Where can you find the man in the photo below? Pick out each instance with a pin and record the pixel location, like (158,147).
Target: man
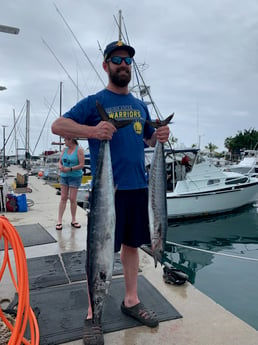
(186,162)
(127,154)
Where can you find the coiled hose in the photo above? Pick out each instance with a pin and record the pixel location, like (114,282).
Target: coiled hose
(25,314)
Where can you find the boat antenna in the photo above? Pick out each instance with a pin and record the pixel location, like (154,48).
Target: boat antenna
(85,54)
(120,26)
(136,68)
(121,36)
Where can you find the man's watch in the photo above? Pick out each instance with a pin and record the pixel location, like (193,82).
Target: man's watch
(71,169)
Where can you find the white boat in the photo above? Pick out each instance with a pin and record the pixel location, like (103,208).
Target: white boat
(207,190)
(203,191)
(248,165)
(83,194)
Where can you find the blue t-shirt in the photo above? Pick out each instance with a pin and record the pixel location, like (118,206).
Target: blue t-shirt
(127,145)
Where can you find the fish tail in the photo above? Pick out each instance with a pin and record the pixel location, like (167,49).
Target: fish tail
(104,117)
(155,261)
(160,123)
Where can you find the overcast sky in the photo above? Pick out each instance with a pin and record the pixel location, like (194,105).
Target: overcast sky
(199,57)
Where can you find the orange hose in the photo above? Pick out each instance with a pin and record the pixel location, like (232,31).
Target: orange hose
(25,313)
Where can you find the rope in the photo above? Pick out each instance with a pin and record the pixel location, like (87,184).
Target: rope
(25,313)
(212,252)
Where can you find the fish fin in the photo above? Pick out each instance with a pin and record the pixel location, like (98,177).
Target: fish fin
(104,117)
(122,123)
(159,123)
(102,112)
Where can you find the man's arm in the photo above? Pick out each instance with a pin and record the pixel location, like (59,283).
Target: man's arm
(69,128)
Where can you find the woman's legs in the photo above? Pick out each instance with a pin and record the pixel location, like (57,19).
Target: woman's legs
(62,204)
(73,202)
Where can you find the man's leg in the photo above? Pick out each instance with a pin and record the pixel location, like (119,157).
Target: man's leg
(131,304)
(130,261)
(89,314)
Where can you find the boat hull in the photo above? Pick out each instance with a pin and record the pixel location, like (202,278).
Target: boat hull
(211,202)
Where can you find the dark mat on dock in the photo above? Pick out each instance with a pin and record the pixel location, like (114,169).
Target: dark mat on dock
(46,271)
(32,235)
(62,309)
(74,263)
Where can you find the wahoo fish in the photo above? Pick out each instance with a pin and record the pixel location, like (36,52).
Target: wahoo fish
(157,203)
(101,226)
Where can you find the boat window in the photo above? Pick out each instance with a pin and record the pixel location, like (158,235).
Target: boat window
(234,180)
(213,181)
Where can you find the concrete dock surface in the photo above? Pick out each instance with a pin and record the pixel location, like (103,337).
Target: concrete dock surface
(204,322)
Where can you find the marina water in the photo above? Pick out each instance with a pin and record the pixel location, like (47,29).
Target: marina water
(220,256)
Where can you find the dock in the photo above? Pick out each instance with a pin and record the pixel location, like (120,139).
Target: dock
(203,322)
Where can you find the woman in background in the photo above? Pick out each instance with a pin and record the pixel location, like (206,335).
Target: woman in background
(70,164)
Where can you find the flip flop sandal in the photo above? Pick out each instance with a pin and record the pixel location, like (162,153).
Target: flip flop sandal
(140,313)
(76,225)
(59,227)
(92,333)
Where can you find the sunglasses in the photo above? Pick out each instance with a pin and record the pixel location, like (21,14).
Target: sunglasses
(117,60)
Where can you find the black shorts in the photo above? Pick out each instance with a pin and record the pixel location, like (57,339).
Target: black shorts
(132,220)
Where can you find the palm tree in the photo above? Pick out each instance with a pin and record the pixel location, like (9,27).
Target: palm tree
(211,147)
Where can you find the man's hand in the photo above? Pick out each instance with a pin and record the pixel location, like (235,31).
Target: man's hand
(162,134)
(104,130)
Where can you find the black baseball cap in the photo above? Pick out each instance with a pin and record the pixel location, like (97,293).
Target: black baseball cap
(118,45)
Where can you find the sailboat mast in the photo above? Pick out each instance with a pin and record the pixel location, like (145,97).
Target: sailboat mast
(60,114)
(27,140)
(15,137)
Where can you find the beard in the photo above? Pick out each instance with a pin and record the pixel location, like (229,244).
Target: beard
(120,79)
